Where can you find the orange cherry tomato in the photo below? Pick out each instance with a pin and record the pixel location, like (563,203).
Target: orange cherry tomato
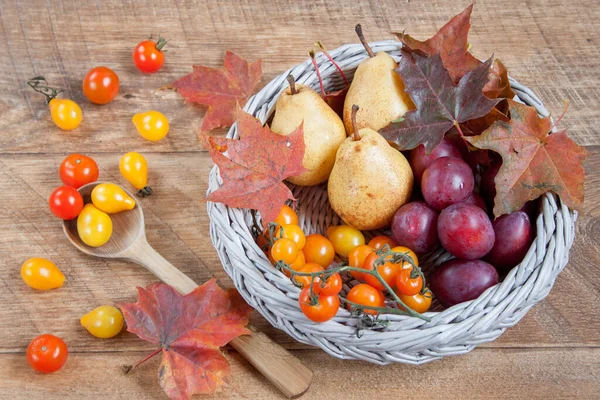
(294,233)
(318,249)
(100,85)
(332,285)
(77,170)
(284,250)
(388,271)
(296,265)
(287,216)
(379,241)
(323,310)
(419,302)
(305,281)
(356,259)
(366,295)
(407,283)
(408,252)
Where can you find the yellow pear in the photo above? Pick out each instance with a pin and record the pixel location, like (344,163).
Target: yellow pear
(369,181)
(378,90)
(323,130)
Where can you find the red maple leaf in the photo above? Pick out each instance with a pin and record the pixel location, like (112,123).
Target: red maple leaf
(498,85)
(533,160)
(190,330)
(220,89)
(255,166)
(336,100)
(441,104)
(451,43)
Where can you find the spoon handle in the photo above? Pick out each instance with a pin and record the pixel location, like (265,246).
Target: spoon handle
(279,366)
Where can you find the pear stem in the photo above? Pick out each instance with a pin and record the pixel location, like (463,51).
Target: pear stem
(362,39)
(356,135)
(292,82)
(311,53)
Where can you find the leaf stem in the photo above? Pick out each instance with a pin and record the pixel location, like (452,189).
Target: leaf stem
(322,48)
(460,132)
(128,368)
(561,116)
(362,39)
(292,82)
(311,53)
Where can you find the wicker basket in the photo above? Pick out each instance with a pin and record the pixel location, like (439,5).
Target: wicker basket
(456,330)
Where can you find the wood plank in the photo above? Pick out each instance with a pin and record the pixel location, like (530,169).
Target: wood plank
(551,46)
(482,374)
(178,228)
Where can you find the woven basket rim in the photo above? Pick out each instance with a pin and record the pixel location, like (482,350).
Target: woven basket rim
(265,291)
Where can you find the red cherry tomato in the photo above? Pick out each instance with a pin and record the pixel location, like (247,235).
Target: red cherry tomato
(331,287)
(65,202)
(47,353)
(100,85)
(323,310)
(77,170)
(148,56)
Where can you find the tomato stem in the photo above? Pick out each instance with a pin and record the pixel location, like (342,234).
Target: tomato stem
(40,85)
(322,48)
(144,192)
(311,53)
(128,368)
(356,135)
(160,43)
(362,39)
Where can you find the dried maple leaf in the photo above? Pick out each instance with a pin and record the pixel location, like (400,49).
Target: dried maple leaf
(533,161)
(440,103)
(498,84)
(255,166)
(336,100)
(451,43)
(189,329)
(220,89)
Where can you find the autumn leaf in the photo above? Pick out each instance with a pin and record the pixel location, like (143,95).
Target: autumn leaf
(440,103)
(189,329)
(498,84)
(255,166)
(451,43)
(476,126)
(220,89)
(533,161)
(336,100)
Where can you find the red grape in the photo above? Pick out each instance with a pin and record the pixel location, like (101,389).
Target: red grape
(458,280)
(419,160)
(476,200)
(514,235)
(466,231)
(415,226)
(447,181)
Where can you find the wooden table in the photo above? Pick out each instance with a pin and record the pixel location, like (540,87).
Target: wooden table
(549,45)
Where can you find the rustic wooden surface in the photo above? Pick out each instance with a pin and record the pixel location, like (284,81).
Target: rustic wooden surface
(551,46)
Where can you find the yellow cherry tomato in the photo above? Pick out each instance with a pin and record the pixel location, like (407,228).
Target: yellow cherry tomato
(344,238)
(103,322)
(111,199)
(151,125)
(134,168)
(94,226)
(42,274)
(65,113)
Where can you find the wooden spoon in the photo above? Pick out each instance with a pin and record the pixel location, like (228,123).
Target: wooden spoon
(128,242)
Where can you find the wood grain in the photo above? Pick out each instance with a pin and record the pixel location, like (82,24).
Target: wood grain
(549,45)
(483,374)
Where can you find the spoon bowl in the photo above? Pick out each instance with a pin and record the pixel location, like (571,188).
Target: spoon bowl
(128,228)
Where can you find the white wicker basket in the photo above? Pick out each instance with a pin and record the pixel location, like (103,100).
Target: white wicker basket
(456,330)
